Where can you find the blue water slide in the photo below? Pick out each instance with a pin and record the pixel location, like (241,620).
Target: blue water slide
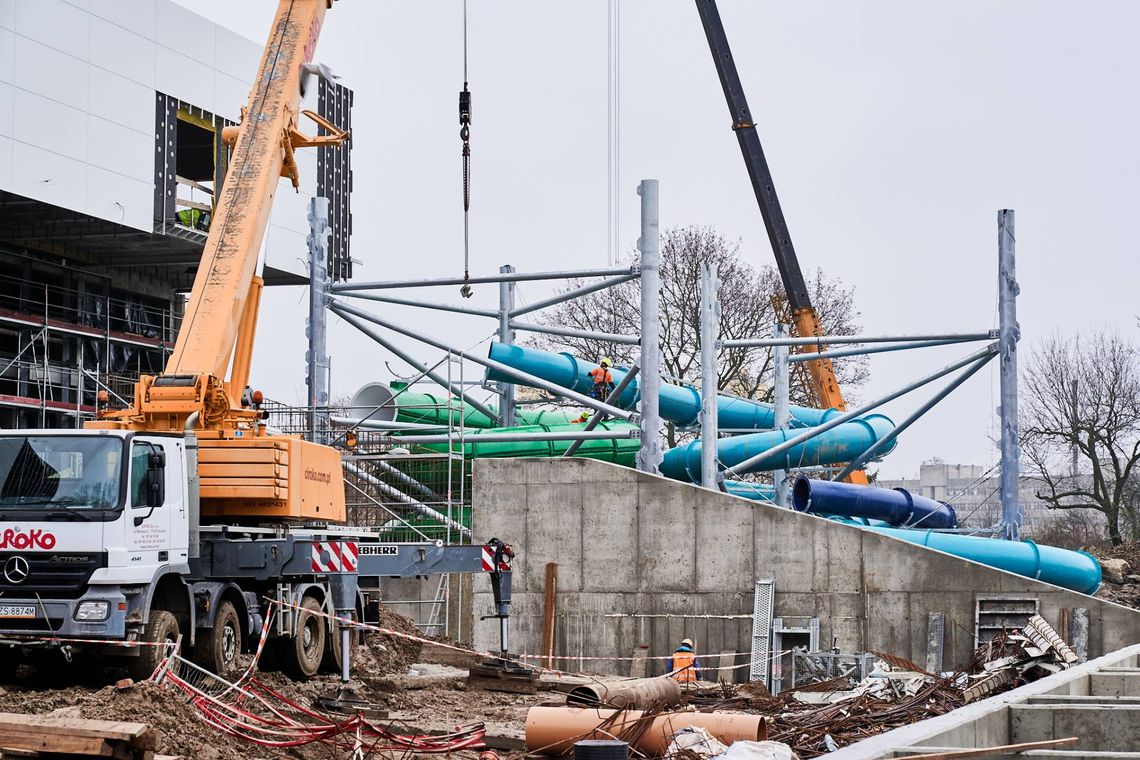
(840,444)
(895,506)
(679,404)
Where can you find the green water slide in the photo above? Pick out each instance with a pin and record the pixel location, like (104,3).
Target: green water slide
(395,404)
(621,451)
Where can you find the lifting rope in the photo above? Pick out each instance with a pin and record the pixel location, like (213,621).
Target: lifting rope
(465,135)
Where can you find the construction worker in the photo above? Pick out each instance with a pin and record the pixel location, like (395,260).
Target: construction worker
(603,379)
(684,664)
(583,417)
(194,219)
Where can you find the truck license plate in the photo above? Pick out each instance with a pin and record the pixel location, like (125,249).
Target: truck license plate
(14,611)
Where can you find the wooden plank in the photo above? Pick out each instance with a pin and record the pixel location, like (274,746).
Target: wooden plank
(61,744)
(1004,749)
(549,603)
(103,729)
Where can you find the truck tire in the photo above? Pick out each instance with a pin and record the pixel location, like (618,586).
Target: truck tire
(161,628)
(218,649)
(301,655)
(331,661)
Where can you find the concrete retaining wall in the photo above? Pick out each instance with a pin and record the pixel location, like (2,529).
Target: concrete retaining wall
(646,560)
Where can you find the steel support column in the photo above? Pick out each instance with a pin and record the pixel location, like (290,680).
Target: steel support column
(1008,335)
(649,245)
(710,327)
(316,358)
(782,399)
(506,337)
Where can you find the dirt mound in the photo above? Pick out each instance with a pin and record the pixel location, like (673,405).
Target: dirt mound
(382,653)
(183,732)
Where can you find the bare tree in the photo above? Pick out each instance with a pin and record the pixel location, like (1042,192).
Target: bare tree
(1080,426)
(751,302)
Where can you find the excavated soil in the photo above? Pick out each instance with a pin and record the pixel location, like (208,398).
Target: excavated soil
(426,697)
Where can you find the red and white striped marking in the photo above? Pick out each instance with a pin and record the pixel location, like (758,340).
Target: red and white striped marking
(335,556)
(489,561)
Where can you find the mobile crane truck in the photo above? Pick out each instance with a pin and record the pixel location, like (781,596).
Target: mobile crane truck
(182,516)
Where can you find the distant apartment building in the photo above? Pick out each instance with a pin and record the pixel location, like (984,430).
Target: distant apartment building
(973,492)
(110,155)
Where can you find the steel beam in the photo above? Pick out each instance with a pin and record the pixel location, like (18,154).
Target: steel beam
(345,311)
(1010,332)
(425,304)
(585,290)
(810,433)
(649,244)
(873,349)
(782,399)
(879,445)
(506,337)
(835,340)
(571,332)
(407,358)
(570,435)
(710,329)
(346,287)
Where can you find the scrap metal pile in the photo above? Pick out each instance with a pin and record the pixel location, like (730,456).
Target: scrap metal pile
(836,713)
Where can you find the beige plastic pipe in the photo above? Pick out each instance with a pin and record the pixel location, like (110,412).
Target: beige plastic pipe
(553,730)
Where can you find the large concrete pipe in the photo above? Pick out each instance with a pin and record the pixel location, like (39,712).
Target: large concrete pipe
(840,444)
(896,506)
(678,404)
(553,730)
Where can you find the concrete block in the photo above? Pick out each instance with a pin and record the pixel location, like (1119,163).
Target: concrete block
(609,537)
(552,471)
(843,560)
(1115,684)
(666,536)
(723,542)
(1103,728)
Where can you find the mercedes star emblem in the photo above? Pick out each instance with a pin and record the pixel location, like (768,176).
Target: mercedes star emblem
(16,570)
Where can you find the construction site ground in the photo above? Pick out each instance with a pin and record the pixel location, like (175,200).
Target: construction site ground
(422,688)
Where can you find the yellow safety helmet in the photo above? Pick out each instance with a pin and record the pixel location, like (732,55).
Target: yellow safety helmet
(606,362)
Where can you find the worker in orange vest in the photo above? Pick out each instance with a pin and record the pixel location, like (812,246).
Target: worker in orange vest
(603,379)
(684,664)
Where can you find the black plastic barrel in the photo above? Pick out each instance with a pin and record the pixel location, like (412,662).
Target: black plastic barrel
(601,749)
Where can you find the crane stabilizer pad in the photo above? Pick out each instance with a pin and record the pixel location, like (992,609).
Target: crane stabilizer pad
(346,701)
(503,675)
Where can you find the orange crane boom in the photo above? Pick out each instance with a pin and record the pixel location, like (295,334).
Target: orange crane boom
(244,471)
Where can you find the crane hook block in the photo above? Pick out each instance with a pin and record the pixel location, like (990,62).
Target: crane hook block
(465,106)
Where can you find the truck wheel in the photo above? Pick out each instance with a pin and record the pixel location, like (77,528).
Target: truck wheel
(331,661)
(301,655)
(217,649)
(161,628)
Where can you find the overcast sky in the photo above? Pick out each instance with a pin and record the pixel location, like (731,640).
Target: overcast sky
(894,130)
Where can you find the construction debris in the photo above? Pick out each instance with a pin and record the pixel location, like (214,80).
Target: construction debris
(898,692)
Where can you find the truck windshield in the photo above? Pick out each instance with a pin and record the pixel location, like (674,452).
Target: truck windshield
(59,470)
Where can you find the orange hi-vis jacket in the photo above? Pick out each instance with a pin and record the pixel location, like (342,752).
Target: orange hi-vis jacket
(684,669)
(601,376)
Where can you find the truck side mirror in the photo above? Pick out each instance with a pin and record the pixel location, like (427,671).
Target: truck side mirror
(156,481)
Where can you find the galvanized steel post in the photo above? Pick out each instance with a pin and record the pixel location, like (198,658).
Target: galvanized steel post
(1008,334)
(710,324)
(316,358)
(506,335)
(782,402)
(649,458)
